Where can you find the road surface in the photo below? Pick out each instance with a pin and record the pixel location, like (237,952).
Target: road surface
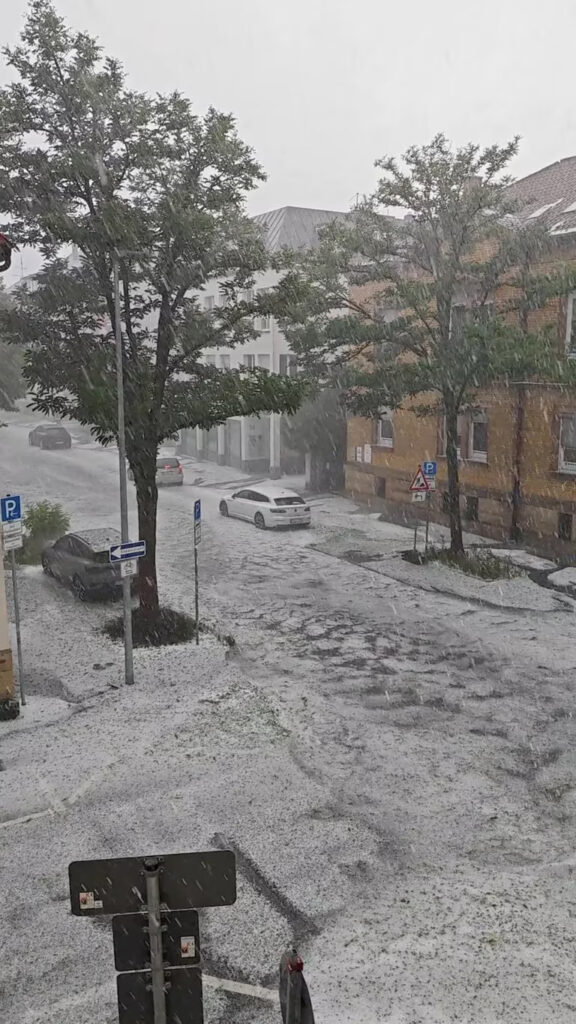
(393,767)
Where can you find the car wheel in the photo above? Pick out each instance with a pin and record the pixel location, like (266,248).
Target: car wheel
(46,568)
(30,441)
(259,521)
(79,589)
(223,508)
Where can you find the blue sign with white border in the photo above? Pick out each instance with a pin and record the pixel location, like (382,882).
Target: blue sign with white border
(429,468)
(11,508)
(131,549)
(197,511)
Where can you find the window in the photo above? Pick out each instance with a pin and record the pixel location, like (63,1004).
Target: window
(264,361)
(208,302)
(288,365)
(263,323)
(292,499)
(446,502)
(248,295)
(478,438)
(461,425)
(257,496)
(564,526)
(210,360)
(225,362)
(471,510)
(571,325)
(249,361)
(386,429)
(567,453)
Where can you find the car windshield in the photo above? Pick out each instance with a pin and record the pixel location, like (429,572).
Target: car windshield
(289,499)
(167,464)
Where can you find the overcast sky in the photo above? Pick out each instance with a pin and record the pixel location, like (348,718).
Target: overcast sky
(321,88)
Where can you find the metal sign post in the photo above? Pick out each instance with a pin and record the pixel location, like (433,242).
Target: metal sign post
(126,583)
(197,538)
(17,624)
(156,945)
(152,868)
(429,471)
(11,516)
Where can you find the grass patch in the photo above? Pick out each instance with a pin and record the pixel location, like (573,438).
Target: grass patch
(171,627)
(480,563)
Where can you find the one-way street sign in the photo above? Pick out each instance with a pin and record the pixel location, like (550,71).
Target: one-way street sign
(131,549)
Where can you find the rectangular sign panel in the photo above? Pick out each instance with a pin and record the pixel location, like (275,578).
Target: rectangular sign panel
(180,940)
(118,886)
(10,508)
(183,997)
(131,549)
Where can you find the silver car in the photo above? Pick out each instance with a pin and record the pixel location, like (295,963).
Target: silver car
(169,472)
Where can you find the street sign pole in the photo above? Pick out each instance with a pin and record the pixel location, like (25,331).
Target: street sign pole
(126,582)
(152,868)
(17,624)
(197,536)
(196,595)
(426,535)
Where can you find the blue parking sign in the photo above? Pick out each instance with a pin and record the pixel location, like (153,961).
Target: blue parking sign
(429,468)
(197,511)
(10,508)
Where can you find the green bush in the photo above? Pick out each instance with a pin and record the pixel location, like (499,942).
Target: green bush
(479,562)
(43,521)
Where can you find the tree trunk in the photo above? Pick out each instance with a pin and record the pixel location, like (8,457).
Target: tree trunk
(147,499)
(515,529)
(456,542)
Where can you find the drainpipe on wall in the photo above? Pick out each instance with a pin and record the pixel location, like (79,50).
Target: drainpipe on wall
(515,528)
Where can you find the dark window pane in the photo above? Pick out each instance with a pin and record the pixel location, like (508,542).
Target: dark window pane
(289,501)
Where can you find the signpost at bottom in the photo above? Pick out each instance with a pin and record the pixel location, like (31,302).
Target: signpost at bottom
(197,539)
(11,516)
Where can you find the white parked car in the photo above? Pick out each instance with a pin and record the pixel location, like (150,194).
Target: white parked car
(267,506)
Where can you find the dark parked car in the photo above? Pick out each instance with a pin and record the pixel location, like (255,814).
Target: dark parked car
(82,561)
(50,435)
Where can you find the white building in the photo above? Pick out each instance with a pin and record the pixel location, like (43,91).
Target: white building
(251,443)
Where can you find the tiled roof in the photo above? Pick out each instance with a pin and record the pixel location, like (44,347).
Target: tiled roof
(549,196)
(294,227)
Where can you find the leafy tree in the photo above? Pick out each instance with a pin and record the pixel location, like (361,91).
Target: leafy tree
(319,430)
(119,174)
(11,379)
(443,294)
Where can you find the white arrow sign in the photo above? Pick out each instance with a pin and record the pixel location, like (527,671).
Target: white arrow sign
(131,549)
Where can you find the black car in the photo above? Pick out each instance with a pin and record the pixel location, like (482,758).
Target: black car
(50,435)
(82,561)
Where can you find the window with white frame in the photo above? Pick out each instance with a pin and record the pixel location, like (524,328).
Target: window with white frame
(264,360)
(210,360)
(571,325)
(288,365)
(225,362)
(209,303)
(567,452)
(461,427)
(478,437)
(249,361)
(385,429)
(263,323)
(248,295)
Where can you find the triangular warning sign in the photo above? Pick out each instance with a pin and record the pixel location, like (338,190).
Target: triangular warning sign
(419,482)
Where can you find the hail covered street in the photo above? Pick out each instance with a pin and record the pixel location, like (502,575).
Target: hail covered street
(389,751)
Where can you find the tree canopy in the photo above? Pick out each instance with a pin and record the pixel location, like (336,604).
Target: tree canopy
(88,162)
(425,292)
